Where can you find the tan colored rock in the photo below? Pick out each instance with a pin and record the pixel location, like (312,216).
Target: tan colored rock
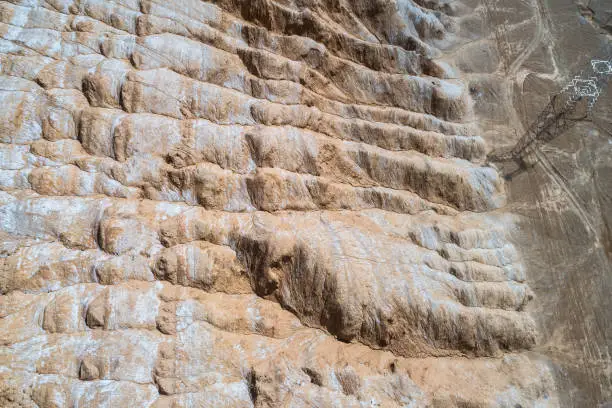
(255,204)
(203,265)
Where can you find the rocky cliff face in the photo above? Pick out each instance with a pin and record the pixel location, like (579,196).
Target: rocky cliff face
(253,203)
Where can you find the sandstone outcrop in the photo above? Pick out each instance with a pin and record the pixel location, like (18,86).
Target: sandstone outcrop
(252,203)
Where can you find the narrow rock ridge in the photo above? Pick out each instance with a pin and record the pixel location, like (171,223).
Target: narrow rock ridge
(250,204)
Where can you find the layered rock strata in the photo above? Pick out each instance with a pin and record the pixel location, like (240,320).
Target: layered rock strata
(251,203)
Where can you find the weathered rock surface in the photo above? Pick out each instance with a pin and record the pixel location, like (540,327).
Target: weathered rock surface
(253,203)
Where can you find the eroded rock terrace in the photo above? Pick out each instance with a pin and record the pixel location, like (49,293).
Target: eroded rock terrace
(249,203)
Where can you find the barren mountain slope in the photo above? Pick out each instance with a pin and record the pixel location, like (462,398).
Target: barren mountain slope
(256,203)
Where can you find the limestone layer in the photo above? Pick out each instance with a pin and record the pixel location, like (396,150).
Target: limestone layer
(250,204)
